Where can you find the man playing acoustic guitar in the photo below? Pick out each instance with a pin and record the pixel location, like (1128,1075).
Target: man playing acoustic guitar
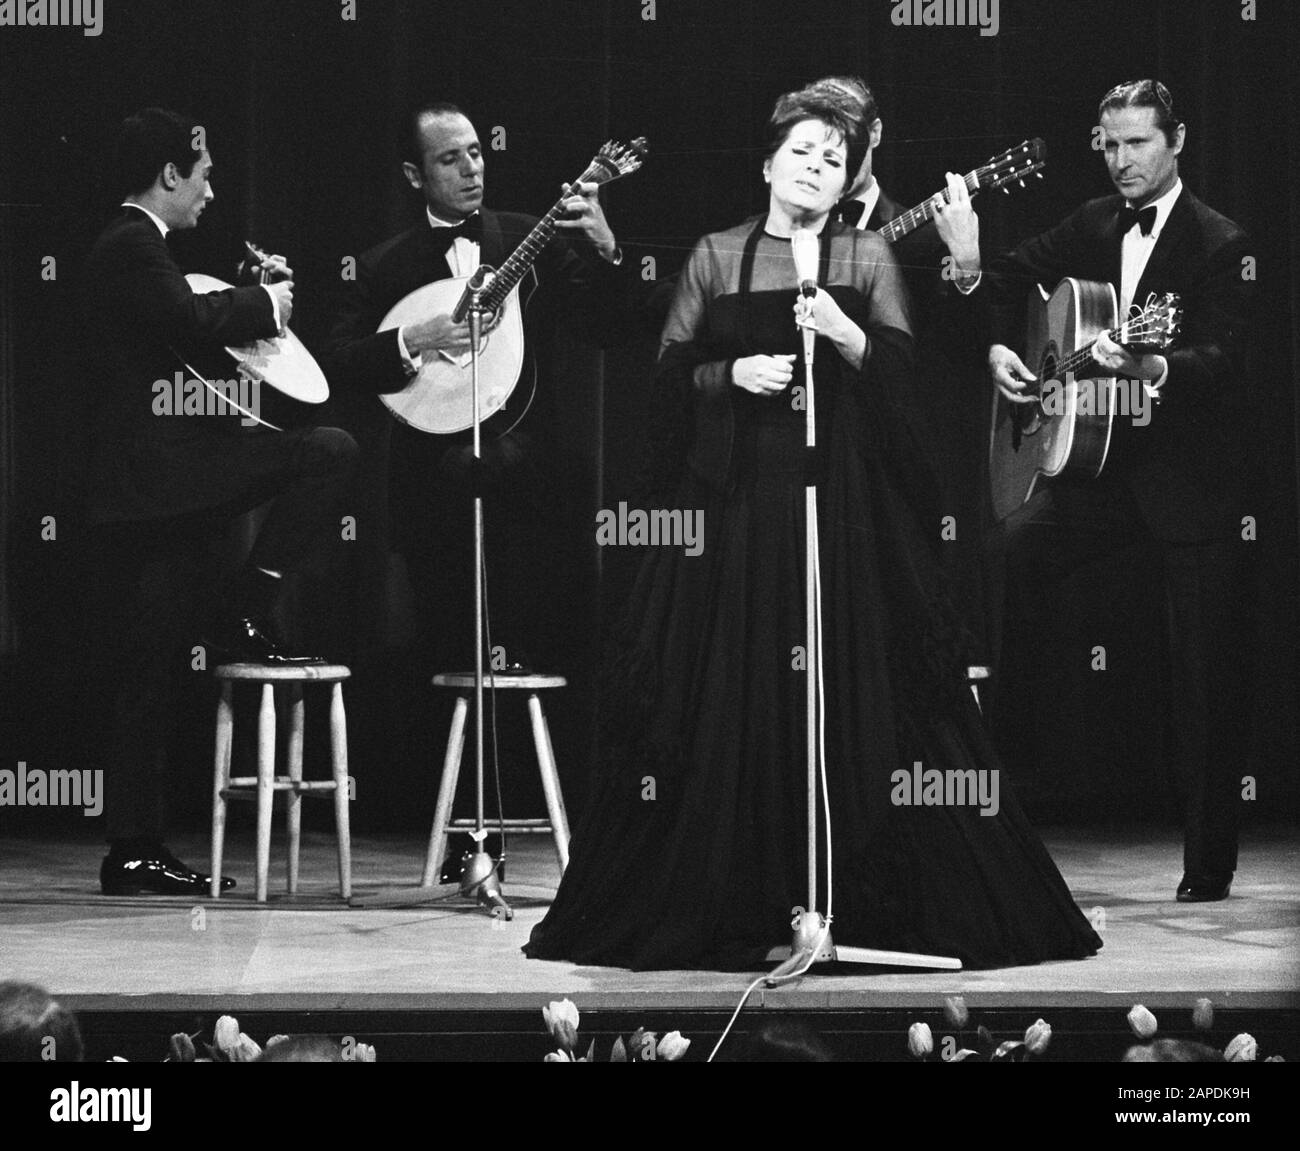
(1169,485)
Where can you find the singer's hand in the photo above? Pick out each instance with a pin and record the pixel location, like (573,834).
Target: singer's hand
(763,375)
(830,321)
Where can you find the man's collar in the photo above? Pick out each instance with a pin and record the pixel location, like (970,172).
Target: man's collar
(1164,206)
(439,222)
(155,218)
(869,196)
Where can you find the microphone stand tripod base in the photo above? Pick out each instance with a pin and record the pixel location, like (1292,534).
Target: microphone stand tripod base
(479,880)
(809,939)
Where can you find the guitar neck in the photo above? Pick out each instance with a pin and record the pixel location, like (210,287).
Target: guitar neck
(923,213)
(523,257)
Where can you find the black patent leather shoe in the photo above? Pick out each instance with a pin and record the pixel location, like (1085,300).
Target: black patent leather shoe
(249,640)
(156,870)
(1203,889)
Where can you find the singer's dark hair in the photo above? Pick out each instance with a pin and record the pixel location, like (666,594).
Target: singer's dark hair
(1144,94)
(148,141)
(795,107)
(410,143)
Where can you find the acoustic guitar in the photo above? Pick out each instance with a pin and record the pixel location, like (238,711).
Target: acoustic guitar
(1066,429)
(281,361)
(438,398)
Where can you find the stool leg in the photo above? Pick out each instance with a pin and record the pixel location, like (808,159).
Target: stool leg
(446,793)
(342,788)
(265,790)
(550,781)
(220,779)
(293,818)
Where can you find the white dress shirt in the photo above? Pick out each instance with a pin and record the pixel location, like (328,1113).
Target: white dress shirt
(1137,248)
(1135,253)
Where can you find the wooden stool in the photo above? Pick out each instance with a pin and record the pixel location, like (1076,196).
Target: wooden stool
(265,783)
(558,823)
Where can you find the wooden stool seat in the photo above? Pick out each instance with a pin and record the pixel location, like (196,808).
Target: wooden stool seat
(266,782)
(557,823)
(500,681)
(283,673)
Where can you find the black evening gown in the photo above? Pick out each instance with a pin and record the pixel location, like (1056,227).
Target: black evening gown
(692,851)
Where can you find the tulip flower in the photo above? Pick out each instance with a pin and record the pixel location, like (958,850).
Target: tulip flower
(1242,1049)
(225,1035)
(562,1022)
(557,1057)
(245,1051)
(618,1053)
(920,1042)
(181,1048)
(1203,1015)
(1141,1022)
(955,1011)
(672,1047)
(1037,1036)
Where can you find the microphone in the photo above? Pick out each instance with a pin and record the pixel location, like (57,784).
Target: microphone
(475,285)
(806,250)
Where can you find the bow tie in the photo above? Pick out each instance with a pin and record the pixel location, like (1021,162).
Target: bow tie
(850,211)
(1144,219)
(470,228)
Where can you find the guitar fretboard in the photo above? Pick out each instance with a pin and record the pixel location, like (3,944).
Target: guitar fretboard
(923,213)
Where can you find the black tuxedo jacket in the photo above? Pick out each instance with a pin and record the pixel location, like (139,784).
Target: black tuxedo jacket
(140,320)
(944,320)
(1179,467)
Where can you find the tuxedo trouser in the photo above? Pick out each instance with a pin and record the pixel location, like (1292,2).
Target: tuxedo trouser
(150,580)
(1207,631)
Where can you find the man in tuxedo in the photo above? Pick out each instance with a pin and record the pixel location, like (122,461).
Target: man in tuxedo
(162,483)
(1170,484)
(537,535)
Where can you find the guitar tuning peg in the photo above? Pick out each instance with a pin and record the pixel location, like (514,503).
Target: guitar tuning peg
(1022,183)
(1005,190)
(1039,175)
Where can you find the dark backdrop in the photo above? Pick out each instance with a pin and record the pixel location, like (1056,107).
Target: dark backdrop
(300,105)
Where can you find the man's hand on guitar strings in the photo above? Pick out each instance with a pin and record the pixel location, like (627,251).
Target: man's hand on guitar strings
(282,290)
(1118,359)
(1010,375)
(439,334)
(587,216)
(959,226)
(277,267)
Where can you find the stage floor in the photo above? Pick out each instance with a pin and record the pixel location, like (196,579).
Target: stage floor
(311,952)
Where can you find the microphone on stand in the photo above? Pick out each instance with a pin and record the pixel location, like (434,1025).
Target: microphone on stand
(806,250)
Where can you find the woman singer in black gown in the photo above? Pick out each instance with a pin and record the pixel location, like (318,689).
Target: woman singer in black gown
(692,851)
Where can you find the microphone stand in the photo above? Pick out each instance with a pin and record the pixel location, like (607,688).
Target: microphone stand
(810,930)
(479,880)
